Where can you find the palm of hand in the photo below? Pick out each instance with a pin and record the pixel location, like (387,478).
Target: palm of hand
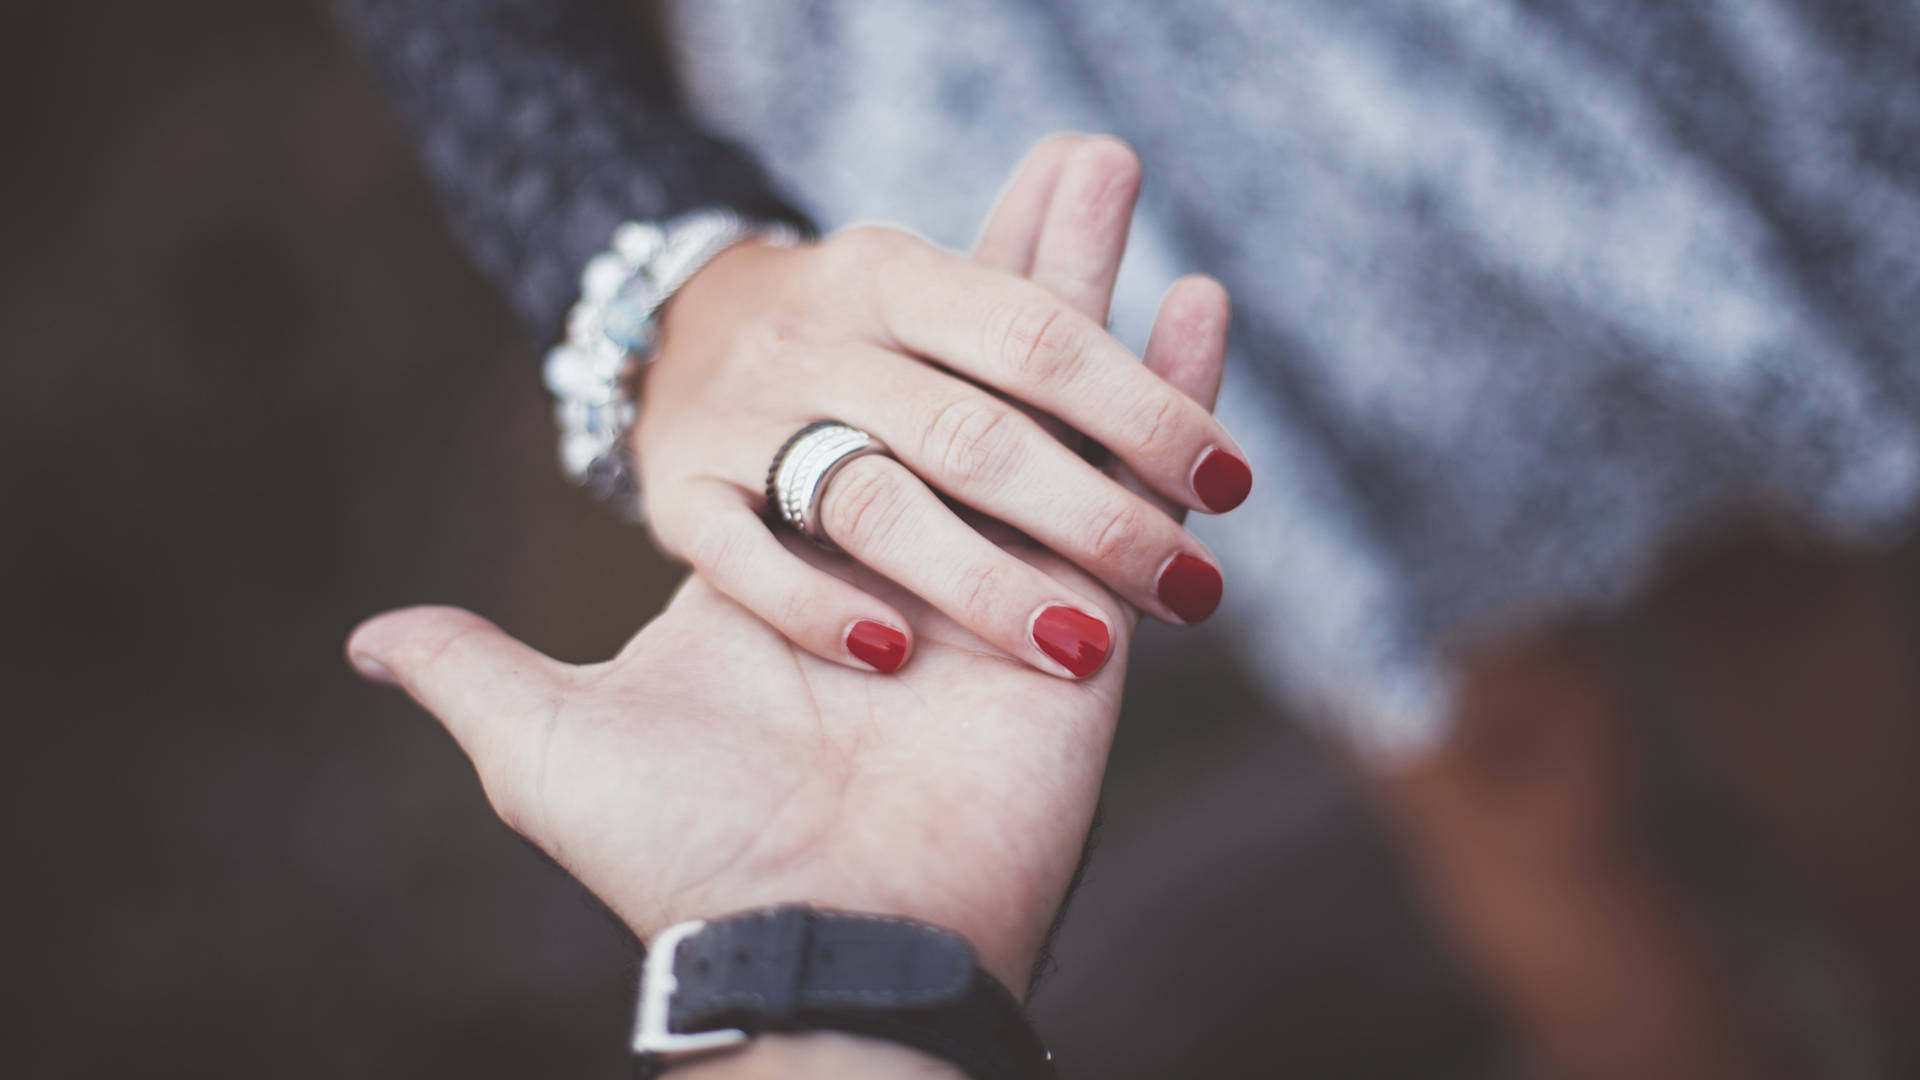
(714,766)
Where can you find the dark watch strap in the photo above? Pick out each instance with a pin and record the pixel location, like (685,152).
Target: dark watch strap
(796,968)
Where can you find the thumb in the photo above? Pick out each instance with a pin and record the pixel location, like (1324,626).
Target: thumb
(459,667)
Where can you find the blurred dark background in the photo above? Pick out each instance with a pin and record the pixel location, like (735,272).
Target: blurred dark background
(255,395)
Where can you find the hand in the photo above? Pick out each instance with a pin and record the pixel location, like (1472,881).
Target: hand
(714,766)
(913,344)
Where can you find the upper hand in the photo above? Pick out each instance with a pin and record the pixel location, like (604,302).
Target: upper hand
(935,354)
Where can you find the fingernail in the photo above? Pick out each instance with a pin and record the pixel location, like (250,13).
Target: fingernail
(1189,587)
(1074,638)
(1222,481)
(373,669)
(877,645)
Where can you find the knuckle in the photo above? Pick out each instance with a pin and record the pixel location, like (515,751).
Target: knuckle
(839,258)
(974,440)
(864,234)
(799,613)
(978,590)
(783,321)
(421,652)
(714,548)
(864,505)
(1159,427)
(769,339)
(870,246)
(856,268)
(1040,343)
(1115,533)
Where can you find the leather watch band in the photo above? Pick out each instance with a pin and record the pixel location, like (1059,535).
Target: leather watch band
(795,968)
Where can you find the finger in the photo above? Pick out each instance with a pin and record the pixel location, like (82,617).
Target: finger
(1014,230)
(1188,344)
(731,547)
(479,682)
(1082,239)
(1018,338)
(1008,239)
(883,516)
(1084,235)
(985,453)
(1188,348)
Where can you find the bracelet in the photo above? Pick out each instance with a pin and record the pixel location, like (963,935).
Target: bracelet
(613,333)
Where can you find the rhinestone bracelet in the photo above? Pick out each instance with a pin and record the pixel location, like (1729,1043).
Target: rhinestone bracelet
(612,333)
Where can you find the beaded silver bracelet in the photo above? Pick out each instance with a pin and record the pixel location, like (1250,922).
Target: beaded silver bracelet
(612,334)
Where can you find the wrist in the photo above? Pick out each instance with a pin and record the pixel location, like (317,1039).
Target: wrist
(727,291)
(721,276)
(697,330)
(1006,951)
(718,988)
(613,333)
(819,1055)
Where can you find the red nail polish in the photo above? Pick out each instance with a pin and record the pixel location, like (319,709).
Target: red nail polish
(877,645)
(1222,481)
(1074,638)
(1190,587)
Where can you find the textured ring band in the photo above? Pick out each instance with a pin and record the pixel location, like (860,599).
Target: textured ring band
(803,467)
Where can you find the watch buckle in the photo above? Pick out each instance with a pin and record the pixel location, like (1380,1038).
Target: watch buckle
(651,1037)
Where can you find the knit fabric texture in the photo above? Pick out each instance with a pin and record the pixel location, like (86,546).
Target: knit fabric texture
(1523,290)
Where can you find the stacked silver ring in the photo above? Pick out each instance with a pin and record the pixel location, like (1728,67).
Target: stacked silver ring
(803,467)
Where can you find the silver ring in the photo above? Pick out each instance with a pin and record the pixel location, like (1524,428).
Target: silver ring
(803,467)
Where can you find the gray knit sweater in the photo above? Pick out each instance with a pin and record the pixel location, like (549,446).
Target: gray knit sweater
(1524,289)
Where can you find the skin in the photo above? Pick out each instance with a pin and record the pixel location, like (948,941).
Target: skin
(1789,668)
(961,366)
(1521,826)
(714,765)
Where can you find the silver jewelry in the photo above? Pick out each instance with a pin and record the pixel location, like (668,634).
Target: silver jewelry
(612,334)
(803,467)
(653,1034)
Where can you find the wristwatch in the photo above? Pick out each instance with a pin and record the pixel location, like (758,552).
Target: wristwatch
(710,986)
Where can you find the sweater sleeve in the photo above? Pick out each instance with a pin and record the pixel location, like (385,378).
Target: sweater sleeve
(543,124)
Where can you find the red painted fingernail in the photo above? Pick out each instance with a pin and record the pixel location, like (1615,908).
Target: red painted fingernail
(877,645)
(1074,638)
(1190,587)
(1222,481)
